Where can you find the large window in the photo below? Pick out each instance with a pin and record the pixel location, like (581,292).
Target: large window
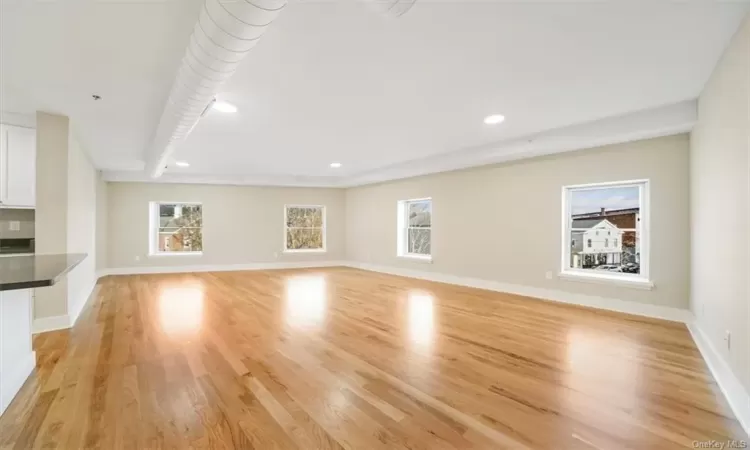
(612,220)
(176,228)
(304,228)
(415,228)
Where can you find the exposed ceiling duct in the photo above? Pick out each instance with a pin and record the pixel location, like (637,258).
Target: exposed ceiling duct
(224,34)
(391,8)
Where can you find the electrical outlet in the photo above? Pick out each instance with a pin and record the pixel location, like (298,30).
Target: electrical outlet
(14,225)
(548,275)
(728,339)
(137,258)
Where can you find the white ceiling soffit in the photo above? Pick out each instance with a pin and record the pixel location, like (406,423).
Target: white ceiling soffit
(657,122)
(652,123)
(222,37)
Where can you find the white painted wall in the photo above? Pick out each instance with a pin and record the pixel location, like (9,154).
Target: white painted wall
(720,207)
(81,216)
(102,226)
(241,224)
(502,223)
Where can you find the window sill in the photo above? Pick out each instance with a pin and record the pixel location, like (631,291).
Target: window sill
(307,250)
(597,278)
(422,258)
(175,254)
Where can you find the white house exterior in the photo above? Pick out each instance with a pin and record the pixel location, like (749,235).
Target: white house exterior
(596,242)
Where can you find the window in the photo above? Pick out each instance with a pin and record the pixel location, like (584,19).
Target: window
(619,210)
(176,228)
(304,228)
(415,228)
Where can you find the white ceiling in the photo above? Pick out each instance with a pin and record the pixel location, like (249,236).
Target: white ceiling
(331,81)
(54,55)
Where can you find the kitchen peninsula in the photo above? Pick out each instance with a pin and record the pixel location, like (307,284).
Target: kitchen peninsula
(19,276)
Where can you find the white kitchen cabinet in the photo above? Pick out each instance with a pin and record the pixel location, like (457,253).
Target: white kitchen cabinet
(17,167)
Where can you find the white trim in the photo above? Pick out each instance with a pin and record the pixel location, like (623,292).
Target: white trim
(323,228)
(187,253)
(610,304)
(402,229)
(607,278)
(221,267)
(417,257)
(81,304)
(153,228)
(736,395)
(643,229)
(50,323)
(53,323)
(13,381)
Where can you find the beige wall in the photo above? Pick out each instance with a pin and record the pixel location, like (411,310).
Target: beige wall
(241,224)
(65,213)
(720,195)
(51,235)
(503,223)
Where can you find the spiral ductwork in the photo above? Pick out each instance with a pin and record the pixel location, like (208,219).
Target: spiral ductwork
(391,8)
(222,37)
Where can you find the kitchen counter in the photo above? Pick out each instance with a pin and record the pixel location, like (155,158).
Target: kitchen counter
(19,276)
(34,271)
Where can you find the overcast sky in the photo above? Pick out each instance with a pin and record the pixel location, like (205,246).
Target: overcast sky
(609,198)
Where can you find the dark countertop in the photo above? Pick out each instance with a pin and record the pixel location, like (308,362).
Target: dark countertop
(34,271)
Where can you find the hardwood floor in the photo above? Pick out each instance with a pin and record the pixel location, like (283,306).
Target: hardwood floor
(343,358)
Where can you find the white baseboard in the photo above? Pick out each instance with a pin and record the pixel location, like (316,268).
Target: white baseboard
(218,267)
(12,382)
(83,300)
(730,385)
(51,323)
(640,309)
(54,323)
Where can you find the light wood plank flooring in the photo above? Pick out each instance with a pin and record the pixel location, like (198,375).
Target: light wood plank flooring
(342,358)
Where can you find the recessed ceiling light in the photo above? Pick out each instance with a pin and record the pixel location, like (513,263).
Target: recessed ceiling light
(225,107)
(494,119)
(182,164)
(335,165)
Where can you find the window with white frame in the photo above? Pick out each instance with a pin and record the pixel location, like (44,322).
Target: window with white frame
(176,228)
(304,228)
(612,219)
(415,228)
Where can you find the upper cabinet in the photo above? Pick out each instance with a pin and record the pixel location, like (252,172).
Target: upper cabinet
(17,167)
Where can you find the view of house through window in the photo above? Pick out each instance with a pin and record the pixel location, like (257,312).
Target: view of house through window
(179,227)
(610,220)
(305,228)
(415,227)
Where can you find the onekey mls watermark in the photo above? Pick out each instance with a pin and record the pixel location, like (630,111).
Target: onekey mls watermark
(721,445)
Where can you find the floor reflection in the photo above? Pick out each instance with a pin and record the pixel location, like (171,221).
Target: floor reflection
(603,365)
(306,302)
(421,319)
(181,309)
